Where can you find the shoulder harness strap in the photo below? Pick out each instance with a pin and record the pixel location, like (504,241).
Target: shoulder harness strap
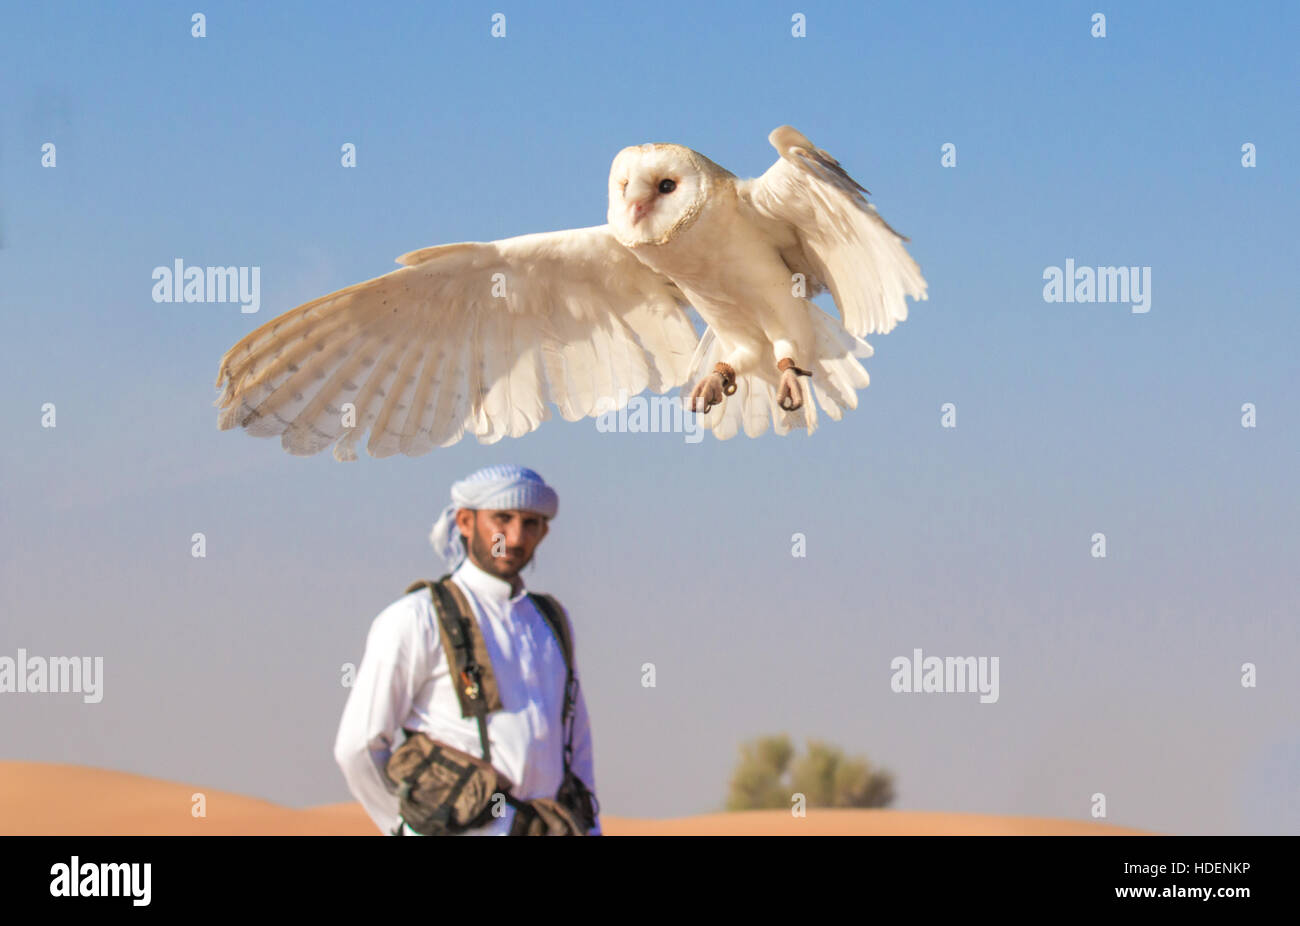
(467,655)
(559,621)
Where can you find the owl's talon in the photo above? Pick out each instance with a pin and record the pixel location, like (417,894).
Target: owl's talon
(709,392)
(706,394)
(788,395)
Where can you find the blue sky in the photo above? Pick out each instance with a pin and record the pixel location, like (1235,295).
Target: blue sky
(1118,675)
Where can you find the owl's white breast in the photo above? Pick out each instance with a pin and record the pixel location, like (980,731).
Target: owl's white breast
(729,269)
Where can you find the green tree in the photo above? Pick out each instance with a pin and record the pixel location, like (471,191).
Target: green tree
(768,775)
(757,780)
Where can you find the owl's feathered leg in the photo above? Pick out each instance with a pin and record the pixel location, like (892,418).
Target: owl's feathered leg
(711,390)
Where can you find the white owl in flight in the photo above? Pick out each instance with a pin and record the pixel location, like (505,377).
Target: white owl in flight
(479,337)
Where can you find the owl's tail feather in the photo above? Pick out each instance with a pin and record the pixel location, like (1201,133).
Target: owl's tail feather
(837,375)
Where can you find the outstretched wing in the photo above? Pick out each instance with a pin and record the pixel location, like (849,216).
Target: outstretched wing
(475,337)
(842,243)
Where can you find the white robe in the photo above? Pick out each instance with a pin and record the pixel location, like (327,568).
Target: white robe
(404,681)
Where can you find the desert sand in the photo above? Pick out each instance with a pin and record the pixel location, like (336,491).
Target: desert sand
(39,798)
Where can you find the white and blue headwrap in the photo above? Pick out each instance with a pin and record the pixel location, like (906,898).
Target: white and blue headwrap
(493,488)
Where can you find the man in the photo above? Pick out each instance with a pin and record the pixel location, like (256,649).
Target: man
(495,521)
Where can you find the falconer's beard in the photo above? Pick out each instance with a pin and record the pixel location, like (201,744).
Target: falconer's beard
(483,547)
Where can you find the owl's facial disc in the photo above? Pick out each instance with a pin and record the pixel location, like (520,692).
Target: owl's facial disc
(652,189)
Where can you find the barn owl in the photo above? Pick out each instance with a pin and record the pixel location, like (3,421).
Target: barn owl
(480,337)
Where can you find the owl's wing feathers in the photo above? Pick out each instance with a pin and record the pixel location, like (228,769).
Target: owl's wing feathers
(843,243)
(473,338)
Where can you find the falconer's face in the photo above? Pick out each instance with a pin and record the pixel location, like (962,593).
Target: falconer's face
(501,542)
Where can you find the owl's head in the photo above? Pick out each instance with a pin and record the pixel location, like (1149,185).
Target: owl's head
(657,190)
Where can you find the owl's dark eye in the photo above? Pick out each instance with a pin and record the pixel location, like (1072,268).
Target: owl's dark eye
(667,186)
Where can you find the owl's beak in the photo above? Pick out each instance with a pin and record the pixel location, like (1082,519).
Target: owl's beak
(639,208)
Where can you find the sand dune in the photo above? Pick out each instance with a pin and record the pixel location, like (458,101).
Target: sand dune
(38,798)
